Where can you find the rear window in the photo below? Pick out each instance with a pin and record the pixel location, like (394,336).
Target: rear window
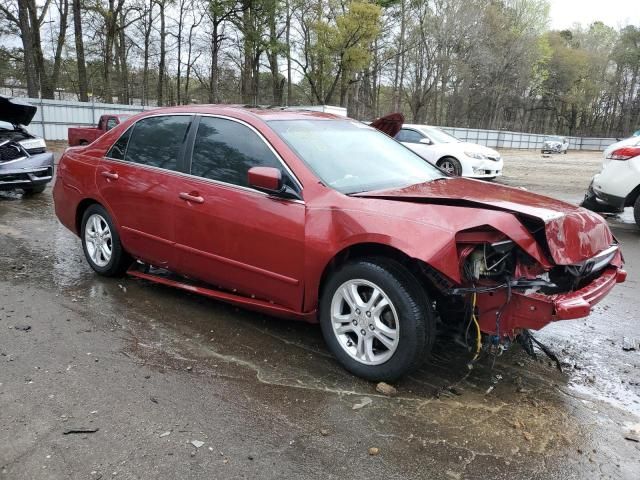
(157,141)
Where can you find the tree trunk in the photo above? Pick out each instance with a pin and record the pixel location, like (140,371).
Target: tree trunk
(33,83)
(161,66)
(83,87)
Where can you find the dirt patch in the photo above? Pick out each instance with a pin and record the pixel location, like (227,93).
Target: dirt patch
(561,176)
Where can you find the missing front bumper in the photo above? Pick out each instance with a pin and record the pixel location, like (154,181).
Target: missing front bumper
(535,310)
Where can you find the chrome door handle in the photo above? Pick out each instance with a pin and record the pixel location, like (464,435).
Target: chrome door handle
(195,198)
(109,175)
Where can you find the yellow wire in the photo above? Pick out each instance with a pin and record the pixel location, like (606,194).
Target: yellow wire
(478,334)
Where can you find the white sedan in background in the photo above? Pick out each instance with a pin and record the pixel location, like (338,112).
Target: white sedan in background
(450,154)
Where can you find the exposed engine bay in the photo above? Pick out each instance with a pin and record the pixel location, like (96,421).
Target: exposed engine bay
(506,292)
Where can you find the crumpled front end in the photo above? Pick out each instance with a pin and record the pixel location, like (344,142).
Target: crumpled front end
(512,291)
(20,169)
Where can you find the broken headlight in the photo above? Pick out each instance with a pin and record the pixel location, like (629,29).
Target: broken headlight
(490,261)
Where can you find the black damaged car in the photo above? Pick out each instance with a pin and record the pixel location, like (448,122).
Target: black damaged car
(24,161)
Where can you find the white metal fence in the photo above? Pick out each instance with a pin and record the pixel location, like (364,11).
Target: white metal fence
(504,139)
(54,117)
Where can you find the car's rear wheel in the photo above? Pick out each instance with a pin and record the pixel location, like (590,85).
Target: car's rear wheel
(636,210)
(450,165)
(34,190)
(101,243)
(376,319)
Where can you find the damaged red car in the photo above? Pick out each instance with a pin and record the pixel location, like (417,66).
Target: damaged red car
(310,216)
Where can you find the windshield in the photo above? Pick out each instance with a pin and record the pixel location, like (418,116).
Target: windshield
(438,135)
(352,157)
(553,139)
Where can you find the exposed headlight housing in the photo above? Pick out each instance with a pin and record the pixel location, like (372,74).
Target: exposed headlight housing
(489,260)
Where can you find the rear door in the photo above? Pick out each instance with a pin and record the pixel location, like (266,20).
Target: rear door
(231,235)
(137,181)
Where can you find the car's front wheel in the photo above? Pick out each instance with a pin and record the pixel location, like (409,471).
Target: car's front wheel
(450,165)
(101,243)
(376,319)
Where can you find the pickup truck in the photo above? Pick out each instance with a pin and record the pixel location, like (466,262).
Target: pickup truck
(86,135)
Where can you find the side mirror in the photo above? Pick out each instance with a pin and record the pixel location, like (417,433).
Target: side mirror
(426,141)
(269,180)
(266,179)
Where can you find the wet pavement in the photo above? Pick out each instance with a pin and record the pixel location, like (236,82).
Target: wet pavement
(137,360)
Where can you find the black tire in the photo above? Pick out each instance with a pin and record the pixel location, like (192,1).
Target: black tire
(636,210)
(34,190)
(416,320)
(82,143)
(455,164)
(120,259)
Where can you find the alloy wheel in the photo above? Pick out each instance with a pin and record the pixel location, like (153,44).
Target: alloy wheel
(97,235)
(365,322)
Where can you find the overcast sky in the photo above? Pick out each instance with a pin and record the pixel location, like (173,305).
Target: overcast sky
(564,13)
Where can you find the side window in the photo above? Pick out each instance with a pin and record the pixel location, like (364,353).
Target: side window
(119,148)
(111,123)
(156,141)
(225,150)
(409,136)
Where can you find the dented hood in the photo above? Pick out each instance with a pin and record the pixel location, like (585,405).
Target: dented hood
(15,111)
(573,234)
(389,124)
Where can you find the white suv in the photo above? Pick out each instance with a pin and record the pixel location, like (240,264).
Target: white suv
(618,184)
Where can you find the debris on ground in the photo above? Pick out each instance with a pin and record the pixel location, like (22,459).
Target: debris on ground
(80,430)
(164,434)
(197,443)
(23,328)
(630,344)
(363,403)
(633,434)
(374,451)
(455,390)
(386,389)
(153,399)
(324,432)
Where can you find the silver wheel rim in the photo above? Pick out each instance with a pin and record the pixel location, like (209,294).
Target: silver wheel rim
(365,322)
(97,236)
(448,167)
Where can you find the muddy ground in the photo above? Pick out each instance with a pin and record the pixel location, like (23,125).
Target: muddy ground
(153,369)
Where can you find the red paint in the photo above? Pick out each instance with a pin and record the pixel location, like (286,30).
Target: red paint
(535,310)
(272,253)
(265,178)
(390,124)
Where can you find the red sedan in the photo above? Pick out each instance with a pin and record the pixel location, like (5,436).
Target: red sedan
(310,216)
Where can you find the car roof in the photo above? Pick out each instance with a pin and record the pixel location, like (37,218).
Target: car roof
(265,114)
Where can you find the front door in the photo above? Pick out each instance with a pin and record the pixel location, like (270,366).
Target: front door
(137,182)
(231,235)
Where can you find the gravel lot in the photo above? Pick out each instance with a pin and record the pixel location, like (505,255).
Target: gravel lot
(151,369)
